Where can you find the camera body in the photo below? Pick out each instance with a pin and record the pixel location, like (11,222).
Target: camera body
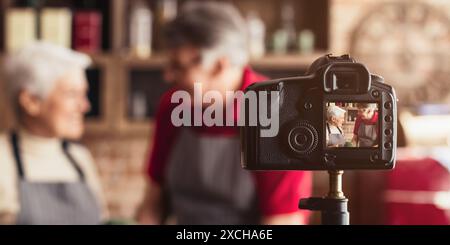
(305,103)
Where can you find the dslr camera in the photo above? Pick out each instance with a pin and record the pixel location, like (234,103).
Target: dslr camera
(338,116)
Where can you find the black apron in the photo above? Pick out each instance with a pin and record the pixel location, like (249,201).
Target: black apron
(335,140)
(367,135)
(55,203)
(206,183)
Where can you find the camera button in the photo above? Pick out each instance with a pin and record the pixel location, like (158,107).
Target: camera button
(375,157)
(388,145)
(329,159)
(388,118)
(300,139)
(388,132)
(308,105)
(376,93)
(388,105)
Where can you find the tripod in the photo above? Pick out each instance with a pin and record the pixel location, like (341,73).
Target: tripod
(333,207)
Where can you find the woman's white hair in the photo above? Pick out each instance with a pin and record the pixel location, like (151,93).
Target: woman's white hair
(37,66)
(335,111)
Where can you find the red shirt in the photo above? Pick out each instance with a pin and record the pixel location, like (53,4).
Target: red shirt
(278,191)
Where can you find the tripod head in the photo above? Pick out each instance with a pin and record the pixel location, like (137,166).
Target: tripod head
(333,207)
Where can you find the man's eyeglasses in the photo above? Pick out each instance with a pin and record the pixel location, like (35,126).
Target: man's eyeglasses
(177,66)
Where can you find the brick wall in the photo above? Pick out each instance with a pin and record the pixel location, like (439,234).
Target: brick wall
(120,162)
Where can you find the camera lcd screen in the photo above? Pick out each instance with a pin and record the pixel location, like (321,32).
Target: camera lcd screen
(353,125)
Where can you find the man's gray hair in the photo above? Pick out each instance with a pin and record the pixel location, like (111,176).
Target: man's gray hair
(37,66)
(216,28)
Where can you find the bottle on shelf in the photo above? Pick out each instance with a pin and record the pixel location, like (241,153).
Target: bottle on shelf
(285,38)
(306,41)
(138,105)
(56,26)
(280,42)
(88,24)
(166,10)
(256,35)
(141,19)
(20,27)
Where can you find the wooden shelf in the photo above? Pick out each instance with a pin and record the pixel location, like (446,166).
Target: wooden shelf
(116,64)
(97,58)
(289,61)
(271,61)
(116,69)
(154,61)
(101,58)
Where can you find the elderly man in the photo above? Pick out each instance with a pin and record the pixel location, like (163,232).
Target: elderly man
(198,168)
(365,132)
(44,179)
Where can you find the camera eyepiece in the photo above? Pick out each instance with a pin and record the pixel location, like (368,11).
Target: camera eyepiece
(346,78)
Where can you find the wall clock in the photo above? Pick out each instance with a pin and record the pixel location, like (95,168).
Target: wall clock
(408,43)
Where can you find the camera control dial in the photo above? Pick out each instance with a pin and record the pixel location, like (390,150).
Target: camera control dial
(302,138)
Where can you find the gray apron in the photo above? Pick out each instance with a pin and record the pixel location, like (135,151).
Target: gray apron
(335,139)
(62,203)
(206,184)
(367,135)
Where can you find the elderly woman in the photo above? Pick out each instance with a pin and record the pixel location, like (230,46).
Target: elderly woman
(44,179)
(335,135)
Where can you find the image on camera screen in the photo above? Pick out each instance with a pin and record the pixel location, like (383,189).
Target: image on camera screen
(351,125)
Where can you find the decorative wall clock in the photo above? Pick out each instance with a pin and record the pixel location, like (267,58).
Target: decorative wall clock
(408,43)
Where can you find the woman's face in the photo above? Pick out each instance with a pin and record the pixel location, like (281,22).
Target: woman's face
(62,111)
(338,121)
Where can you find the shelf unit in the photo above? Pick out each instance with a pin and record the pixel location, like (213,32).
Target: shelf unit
(115,67)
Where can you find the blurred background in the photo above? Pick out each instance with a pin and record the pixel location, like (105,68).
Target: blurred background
(408,42)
